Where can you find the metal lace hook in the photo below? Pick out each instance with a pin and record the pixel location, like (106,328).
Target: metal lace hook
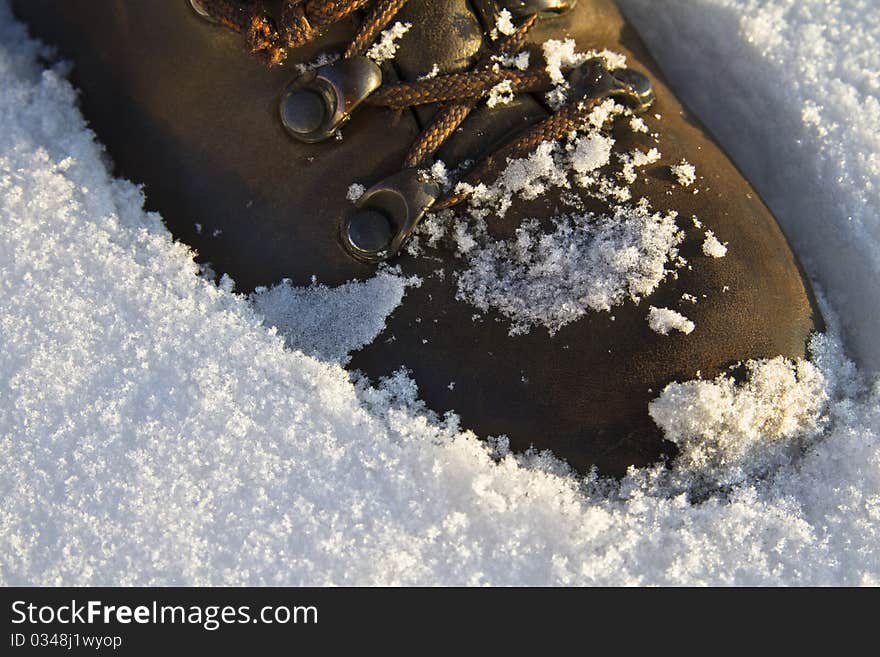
(543,7)
(317,103)
(386,216)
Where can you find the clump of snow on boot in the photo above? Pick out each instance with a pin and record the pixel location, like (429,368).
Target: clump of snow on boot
(330,323)
(665,320)
(685,173)
(726,430)
(386,46)
(552,275)
(713,247)
(588,262)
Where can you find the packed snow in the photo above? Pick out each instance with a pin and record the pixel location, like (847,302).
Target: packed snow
(685,173)
(158,429)
(331,323)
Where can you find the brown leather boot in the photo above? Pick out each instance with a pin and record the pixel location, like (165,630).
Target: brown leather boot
(189,105)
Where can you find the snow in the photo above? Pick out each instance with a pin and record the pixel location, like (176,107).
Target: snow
(504,24)
(727,430)
(518,61)
(561,55)
(330,323)
(589,262)
(713,247)
(665,320)
(684,173)
(355,191)
(154,428)
(500,94)
(637,124)
(386,46)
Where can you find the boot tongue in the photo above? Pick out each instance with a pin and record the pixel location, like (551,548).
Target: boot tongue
(444,33)
(446,37)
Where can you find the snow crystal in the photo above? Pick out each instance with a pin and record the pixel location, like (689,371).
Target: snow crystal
(433,73)
(440,174)
(664,320)
(519,60)
(504,24)
(500,94)
(386,47)
(323,59)
(636,159)
(527,177)
(637,124)
(712,247)
(684,173)
(355,191)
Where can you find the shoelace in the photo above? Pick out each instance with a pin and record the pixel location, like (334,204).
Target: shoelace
(389,212)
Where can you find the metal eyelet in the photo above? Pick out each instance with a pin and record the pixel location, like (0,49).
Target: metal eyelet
(636,89)
(386,216)
(199,8)
(593,79)
(522,8)
(317,103)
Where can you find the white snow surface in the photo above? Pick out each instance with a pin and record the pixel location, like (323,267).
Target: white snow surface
(665,320)
(155,430)
(330,323)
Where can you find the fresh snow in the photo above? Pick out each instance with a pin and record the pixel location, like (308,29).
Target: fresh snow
(713,247)
(665,320)
(728,430)
(157,429)
(330,323)
(387,44)
(685,173)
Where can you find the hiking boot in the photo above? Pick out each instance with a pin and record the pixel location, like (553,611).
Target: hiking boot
(581,241)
